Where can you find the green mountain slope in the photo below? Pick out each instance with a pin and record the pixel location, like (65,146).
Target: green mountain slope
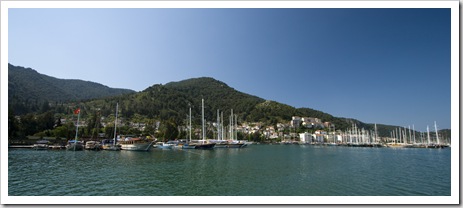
(28,87)
(172,101)
(30,91)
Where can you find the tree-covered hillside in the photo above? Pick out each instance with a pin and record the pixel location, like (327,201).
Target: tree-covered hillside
(172,101)
(167,105)
(28,89)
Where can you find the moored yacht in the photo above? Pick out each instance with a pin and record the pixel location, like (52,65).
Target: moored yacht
(203,144)
(111,145)
(92,145)
(136,144)
(75,145)
(41,145)
(164,145)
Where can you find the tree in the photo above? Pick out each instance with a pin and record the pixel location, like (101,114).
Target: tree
(255,137)
(65,131)
(150,127)
(28,124)
(13,125)
(109,131)
(169,130)
(58,122)
(93,124)
(45,121)
(45,107)
(241,135)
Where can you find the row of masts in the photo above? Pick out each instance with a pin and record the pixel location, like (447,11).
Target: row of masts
(356,135)
(220,125)
(232,133)
(400,136)
(353,135)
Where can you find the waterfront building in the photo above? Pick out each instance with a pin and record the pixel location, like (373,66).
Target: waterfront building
(305,137)
(319,137)
(320,132)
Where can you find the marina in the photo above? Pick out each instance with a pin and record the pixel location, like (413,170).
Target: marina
(287,103)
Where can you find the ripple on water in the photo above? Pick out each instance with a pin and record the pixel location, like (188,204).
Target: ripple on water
(259,170)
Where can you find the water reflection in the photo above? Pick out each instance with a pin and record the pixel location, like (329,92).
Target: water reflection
(259,170)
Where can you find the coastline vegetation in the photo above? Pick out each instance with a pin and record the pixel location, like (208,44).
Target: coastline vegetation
(159,111)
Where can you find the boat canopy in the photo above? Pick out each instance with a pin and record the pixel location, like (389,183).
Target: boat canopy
(107,141)
(132,139)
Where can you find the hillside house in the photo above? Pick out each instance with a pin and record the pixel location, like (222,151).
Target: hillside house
(296,121)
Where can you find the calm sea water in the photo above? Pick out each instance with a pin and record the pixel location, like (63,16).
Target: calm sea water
(258,170)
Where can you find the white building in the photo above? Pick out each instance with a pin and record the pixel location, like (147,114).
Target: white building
(305,137)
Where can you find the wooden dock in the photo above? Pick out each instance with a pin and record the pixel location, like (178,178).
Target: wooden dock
(54,147)
(20,146)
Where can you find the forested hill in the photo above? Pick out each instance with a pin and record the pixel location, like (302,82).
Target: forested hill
(32,92)
(219,95)
(172,101)
(28,89)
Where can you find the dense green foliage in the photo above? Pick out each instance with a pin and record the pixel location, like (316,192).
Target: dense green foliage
(38,102)
(172,101)
(28,90)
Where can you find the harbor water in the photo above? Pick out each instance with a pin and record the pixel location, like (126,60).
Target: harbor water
(257,170)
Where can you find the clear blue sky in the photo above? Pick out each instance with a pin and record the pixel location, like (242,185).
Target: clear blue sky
(389,66)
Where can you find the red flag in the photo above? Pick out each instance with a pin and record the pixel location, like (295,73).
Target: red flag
(77,111)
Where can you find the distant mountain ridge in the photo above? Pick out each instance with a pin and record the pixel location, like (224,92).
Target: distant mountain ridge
(23,81)
(163,102)
(27,85)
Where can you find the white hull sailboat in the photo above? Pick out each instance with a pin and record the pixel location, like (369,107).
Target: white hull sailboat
(113,146)
(203,144)
(189,144)
(199,144)
(75,145)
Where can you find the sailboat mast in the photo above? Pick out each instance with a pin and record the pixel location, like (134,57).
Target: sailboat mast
(350,135)
(221,126)
(202,106)
(437,134)
(218,125)
(231,125)
(190,124)
(236,127)
(429,138)
(392,135)
(405,135)
(77,129)
(115,124)
(410,133)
